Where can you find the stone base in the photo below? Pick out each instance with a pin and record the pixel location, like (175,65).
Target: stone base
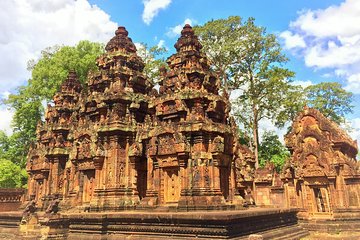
(236,224)
(150,201)
(44,226)
(114,199)
(270,223)
(202,199)
(343,220)
(9,222)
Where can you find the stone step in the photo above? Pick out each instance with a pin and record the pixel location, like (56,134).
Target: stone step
(293,232)
(331,226)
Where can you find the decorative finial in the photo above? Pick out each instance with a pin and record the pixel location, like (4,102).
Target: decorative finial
(188,38)
(187,30)
(121,41)
(121,31)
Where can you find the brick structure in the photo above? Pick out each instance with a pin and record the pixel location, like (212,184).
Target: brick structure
(120,144)
(322,174)
(11,199)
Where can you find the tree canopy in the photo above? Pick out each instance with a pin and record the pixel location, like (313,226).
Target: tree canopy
(330,99)
(11,175)
(47,74)
(222,42)
(249,60)
(272,150)
(152,57)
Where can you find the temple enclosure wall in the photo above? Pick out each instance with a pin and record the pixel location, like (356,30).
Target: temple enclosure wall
(11,199)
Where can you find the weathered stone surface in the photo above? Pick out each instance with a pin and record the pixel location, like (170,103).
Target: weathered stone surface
(11,199)
(322,174)
(120,145)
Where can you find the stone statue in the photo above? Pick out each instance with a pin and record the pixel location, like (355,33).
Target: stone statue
(53,207)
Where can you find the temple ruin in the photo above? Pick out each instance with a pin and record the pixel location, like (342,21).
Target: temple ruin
(121,144)
(322,174)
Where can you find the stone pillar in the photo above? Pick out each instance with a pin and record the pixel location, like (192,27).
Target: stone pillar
(153,184)
(55,175)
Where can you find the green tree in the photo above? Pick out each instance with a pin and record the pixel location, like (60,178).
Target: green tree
(46,77)
(272,150)
(249,60)
(330,99)
(11,148)
(51,70)
(223,43)
(4,144)
(11,175)
(153,59)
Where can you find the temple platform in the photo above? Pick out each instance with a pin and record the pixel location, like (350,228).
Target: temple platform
(237,224)
(342,222)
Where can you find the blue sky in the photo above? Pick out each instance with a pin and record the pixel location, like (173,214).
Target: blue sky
(321,37)
(274,15)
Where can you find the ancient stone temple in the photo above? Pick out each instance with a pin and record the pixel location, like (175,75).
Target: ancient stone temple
(120,144)
(116,157)
(322,176)
(48,157)
(189,146)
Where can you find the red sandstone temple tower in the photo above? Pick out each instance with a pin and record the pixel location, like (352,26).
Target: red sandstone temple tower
(118,144)
(108,122)
(189,146)
(322,175)
(48,159)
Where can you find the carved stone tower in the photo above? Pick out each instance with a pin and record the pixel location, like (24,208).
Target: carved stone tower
(322,175)
(115,105)
(49,156)
(189,147)
(119,144)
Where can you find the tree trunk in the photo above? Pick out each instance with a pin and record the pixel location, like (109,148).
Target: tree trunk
(224,76)
(256,137)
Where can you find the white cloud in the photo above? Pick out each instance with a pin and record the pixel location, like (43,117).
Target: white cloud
(353,84)
(267,125)
(4,95)
(292,40)
(29,26)
(175,31)
(304,84)
(152,8)
(355,133)
(138,46)
(331,22)
(161,43)
(6,118)
(329,39)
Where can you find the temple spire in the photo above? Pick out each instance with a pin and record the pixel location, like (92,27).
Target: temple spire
(121,41)
(188,40)
(71,84)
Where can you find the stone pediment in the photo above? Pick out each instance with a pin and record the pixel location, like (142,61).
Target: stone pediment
(319,147)
(312,120)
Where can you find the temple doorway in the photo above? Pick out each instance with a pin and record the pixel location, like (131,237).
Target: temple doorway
(224,181)
(321,199)
(89,184)
(171,185)
(141,181)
